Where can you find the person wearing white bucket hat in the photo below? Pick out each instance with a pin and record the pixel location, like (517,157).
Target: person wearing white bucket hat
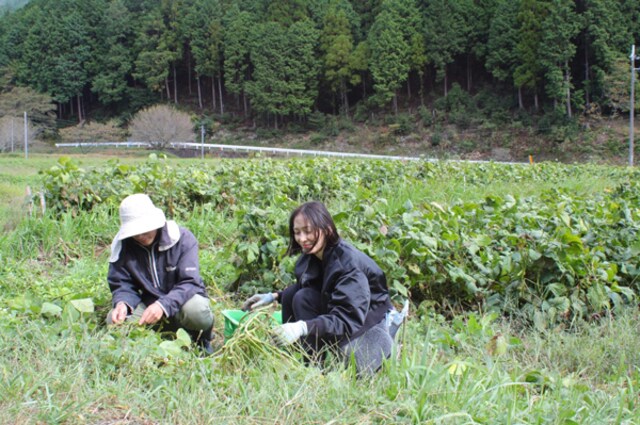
(154,273)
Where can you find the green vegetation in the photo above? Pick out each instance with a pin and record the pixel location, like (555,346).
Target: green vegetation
(274,63)
(522,277)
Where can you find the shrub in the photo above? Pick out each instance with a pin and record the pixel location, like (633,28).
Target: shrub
(93,131)
(426,116)
(161,125)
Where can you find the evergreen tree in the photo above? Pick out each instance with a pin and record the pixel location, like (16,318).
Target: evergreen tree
(337,47)
(285,69)
(557,50)
(203,24)
(529,72)
(238,39)
(56,52)
(501,51)
(605,39)
(112,58)
(390,55)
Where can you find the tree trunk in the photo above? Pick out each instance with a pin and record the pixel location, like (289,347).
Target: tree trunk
(421,74)
(409,87)
(469,77)
(199,92)
(395,103)
(446,90)
(166,86)
(220,94)
(520,102)
(79,110)
(345,98)
(536,105)
(246,105)
(568,85)
(364,87)
(213,94)
(189,74)
(71,107)
(586,72)
(175,85)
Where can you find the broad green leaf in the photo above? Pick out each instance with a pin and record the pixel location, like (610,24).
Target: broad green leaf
(172,348)
(183,337)
(49,309)
(84,305)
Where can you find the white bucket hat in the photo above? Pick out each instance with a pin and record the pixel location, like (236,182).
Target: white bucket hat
(138,215)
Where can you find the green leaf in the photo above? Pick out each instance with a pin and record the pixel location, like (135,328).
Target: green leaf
(171,348)
(49,309)
(84,305)
(183,337)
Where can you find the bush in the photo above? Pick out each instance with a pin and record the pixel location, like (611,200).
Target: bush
(558,126)
(426,116)
(161,125)
(93,132)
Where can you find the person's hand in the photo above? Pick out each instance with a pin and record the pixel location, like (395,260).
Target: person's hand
(119,313)
(289,333)
(258,300)
(151,314)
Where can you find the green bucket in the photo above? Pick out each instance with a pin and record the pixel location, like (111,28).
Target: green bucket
(232,319)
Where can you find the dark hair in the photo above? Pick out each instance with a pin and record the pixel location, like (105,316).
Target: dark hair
(318,216)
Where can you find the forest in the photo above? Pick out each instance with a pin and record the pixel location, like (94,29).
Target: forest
(274,63)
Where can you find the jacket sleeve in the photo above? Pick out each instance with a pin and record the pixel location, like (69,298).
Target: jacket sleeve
(348,304)
(123,289)
(188,281)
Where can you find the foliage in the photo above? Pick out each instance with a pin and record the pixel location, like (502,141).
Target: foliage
(161,125)
(289,58)
(543,256)
(40,109)
(511,253)
(93,132)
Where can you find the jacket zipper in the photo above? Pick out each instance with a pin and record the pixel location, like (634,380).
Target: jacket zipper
(153,266)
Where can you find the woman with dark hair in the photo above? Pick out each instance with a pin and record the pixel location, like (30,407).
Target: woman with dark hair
(340,298)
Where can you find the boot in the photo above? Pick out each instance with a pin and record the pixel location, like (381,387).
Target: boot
(203,340)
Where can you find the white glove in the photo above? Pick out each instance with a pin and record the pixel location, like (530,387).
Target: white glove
(289,333)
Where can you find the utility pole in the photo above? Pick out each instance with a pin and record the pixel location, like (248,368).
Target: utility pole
(26,137)
(633,58)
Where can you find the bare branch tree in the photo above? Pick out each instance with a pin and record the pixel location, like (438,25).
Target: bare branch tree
(161,125)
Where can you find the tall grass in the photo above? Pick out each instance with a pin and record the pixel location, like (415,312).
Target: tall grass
(67,367)
(57,372)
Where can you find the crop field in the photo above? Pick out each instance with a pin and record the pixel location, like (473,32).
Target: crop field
(523,283)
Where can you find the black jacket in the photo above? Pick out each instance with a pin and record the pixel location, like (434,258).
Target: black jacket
(167,272)
(353,291)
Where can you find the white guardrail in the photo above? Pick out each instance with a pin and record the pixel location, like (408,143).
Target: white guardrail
(267,150)
(240,148)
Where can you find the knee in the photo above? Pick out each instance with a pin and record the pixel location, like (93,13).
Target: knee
(196,313)
(306,304)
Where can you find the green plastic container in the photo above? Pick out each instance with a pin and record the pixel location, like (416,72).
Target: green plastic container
(232,319)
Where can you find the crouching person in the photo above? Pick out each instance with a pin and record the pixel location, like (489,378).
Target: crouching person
(340,298)
(154,273)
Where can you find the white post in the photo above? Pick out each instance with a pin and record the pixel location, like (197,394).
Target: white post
(26,137)
(202,140)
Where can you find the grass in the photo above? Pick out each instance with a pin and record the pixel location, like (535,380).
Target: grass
(475,368)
